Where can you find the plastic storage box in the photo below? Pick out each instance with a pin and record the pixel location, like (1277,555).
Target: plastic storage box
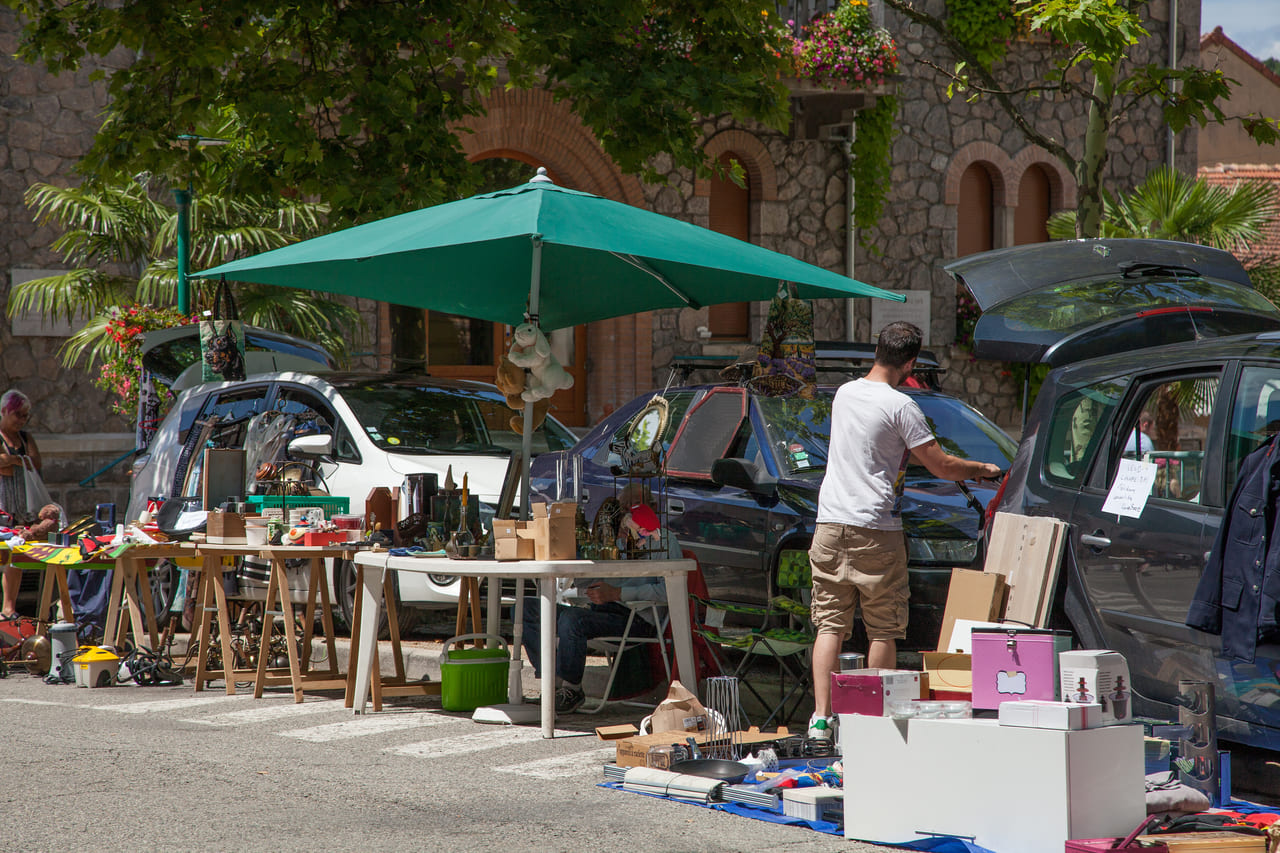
(331,505)
(470,678)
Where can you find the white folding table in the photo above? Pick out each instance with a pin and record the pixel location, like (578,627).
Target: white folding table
(546,572)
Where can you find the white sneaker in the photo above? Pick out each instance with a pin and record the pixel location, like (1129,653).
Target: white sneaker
(822,728)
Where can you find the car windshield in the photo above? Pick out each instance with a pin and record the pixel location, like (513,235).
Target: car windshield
(800,430)
(421,419)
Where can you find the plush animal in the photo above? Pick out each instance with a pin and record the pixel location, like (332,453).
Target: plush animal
(47,521)
(530,349)
(510,381)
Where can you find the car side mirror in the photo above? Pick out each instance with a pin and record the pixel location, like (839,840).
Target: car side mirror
(312,445)
(744,475)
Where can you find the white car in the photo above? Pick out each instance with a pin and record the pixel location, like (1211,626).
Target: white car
(381,427)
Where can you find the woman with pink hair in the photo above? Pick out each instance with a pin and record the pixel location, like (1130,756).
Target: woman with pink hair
(15,443)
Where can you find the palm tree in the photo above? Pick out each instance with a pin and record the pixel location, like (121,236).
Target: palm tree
(1169,205)
(119,244)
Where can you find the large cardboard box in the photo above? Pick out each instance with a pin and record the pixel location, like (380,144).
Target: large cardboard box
(950,675)
(872,691)
(554,531)
(1101,676)
(513,540)
(972,595)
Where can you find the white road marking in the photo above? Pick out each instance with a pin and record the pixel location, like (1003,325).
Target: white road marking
(478,742)
(268,713)
(46,702)
(367,725)
(562,766)
(175,704)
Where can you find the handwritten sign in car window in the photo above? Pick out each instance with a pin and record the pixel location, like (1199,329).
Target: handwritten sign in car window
(1132,487)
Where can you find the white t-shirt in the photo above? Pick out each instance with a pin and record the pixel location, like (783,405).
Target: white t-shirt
(873,429)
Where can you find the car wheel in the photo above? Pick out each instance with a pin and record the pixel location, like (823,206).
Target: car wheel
(163,579)
(345,582)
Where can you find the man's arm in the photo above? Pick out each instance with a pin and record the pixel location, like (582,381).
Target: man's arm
(947,467)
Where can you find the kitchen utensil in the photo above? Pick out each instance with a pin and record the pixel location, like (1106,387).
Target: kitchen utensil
(713,768)
(726,719)
(694,752)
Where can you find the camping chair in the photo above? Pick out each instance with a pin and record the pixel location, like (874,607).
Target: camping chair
(788,646)
(614,647)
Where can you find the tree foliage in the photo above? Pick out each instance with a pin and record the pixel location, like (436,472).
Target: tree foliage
(1097,39)
(358,101)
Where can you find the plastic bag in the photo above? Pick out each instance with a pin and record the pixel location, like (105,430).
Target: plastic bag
(38,495)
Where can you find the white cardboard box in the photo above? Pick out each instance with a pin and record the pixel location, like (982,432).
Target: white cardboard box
(1097,676)
(1009,788)
(1039,714)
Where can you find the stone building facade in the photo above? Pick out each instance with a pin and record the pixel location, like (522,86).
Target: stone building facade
(798,204)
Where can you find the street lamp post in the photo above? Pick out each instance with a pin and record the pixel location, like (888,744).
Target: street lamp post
(182,198)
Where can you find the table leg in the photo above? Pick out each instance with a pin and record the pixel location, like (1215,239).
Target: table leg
(515,689)
(326,614)
(547,592)
(393,626)
(129,568)
(201,627)
(308,615)
(290,635)
(148,606)
(371,593)
(113,628)
(224,625)
(681,631)
(354,656)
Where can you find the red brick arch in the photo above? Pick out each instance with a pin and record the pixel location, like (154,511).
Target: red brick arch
(1062,185)
(529,126)
(998,165)
(753,155)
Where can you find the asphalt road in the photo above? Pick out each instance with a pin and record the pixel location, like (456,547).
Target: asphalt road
(140,768)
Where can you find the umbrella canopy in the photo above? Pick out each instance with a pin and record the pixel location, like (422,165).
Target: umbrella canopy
(566,256)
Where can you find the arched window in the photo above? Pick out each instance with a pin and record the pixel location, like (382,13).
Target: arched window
(975,218)
(1033,207)
(730,213)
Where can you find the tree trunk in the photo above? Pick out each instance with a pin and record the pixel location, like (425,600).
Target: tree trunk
(1094,159)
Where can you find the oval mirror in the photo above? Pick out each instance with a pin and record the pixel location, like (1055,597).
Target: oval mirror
(647,427)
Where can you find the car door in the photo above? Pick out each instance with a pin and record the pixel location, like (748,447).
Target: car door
(726,527)
(222,422)
(1140,573)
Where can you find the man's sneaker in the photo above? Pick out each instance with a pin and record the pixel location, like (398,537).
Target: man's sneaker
(569,699)
(822,728)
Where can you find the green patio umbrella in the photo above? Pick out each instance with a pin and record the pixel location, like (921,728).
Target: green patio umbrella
(560,256)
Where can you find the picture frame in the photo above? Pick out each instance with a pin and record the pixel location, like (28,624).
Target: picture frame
(510,485)
(645,430)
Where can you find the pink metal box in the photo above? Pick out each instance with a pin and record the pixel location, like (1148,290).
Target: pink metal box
(1015,663)
(871,691)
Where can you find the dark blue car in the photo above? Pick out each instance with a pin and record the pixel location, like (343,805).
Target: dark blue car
(763,500)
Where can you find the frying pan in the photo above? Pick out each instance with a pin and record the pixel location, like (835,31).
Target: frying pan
(732,772)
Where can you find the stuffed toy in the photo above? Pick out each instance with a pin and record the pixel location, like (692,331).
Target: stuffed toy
(531,350)
(48,521)
(510,381)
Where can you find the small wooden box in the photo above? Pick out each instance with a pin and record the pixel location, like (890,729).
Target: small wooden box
(225,528)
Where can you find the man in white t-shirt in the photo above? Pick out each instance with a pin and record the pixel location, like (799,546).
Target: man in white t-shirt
(859,554)
(1139,441)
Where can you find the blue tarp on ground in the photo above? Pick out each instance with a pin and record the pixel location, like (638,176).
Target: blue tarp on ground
(938,844)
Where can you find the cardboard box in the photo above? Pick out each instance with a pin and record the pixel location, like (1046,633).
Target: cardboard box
(871,691)
(513,549)
(508,528)
(224,528)
(1063,716)
(950,675)
(1101,676)
(616,732)
(1210,842)
(554,537)
(1012,664)
(973,595)
(634,751)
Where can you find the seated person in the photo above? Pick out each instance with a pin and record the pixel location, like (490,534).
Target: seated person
(604,616)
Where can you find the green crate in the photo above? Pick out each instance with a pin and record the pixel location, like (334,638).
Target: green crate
(328,503)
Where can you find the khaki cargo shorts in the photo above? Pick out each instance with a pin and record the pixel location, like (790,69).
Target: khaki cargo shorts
(855,566)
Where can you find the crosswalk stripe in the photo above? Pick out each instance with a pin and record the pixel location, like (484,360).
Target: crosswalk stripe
(45,702)
(153,707)
(269,713)
(562,766)
(478,742)
(367,725)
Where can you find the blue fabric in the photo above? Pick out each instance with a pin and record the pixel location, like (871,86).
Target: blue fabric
(934,844)
(90,595)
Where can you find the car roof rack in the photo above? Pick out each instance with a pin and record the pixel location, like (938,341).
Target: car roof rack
(847,358)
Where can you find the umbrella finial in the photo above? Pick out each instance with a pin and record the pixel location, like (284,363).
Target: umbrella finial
(541,177)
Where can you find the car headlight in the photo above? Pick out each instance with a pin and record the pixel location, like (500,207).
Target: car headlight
(956,552)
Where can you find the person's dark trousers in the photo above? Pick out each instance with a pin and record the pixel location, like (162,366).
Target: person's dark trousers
(574,627)
(90,594)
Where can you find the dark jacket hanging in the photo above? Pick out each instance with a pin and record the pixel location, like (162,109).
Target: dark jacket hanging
(1240,589)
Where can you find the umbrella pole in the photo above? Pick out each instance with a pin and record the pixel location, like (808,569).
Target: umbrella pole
(526,436)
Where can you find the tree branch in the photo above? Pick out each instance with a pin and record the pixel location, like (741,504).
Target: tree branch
(991,85)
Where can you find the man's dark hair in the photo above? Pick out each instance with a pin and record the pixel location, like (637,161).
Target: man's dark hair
(898,343)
